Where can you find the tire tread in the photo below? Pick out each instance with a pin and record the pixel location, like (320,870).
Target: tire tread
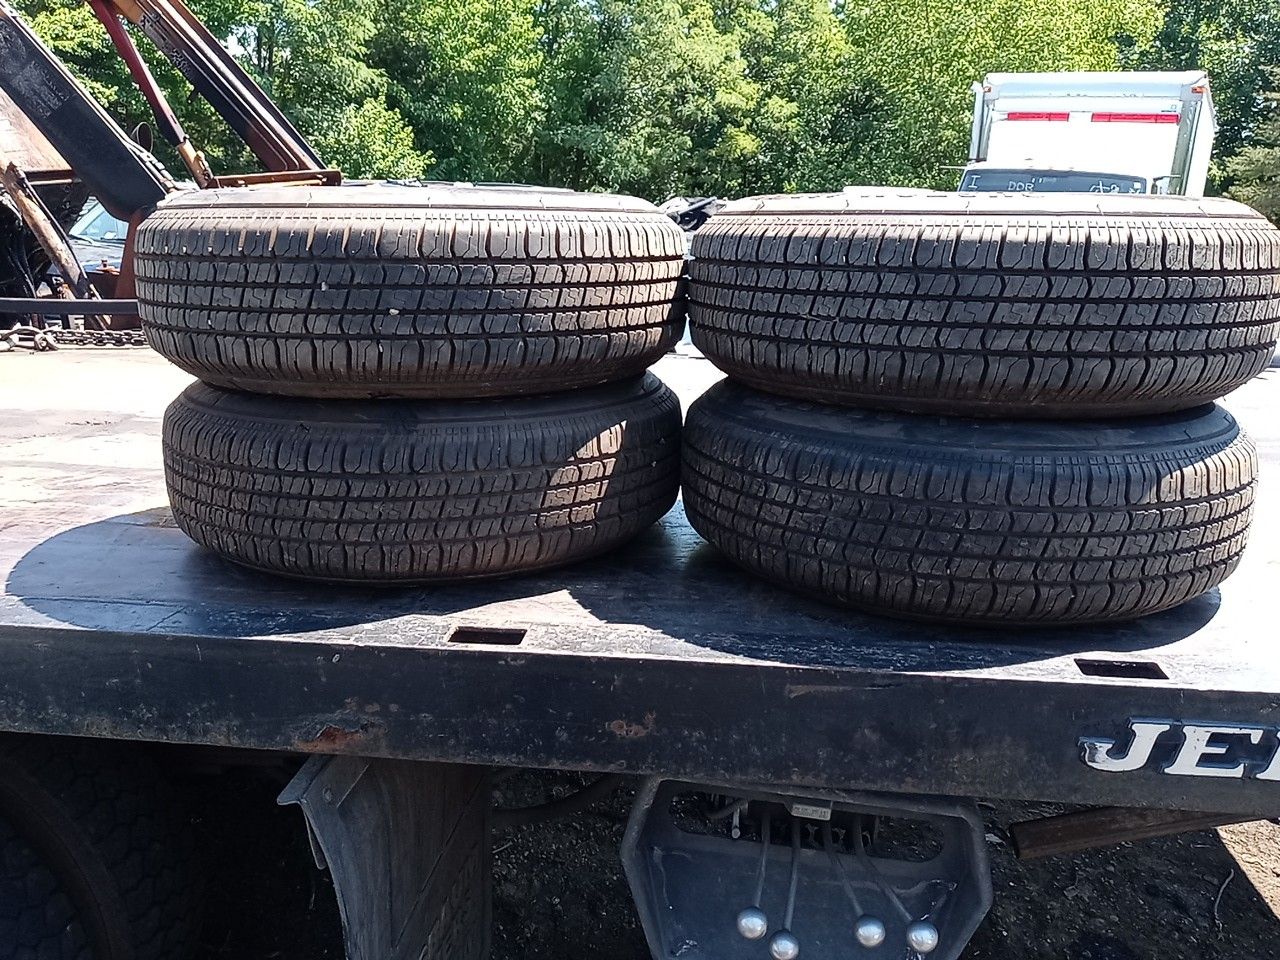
(1012,315)
(432,302)
(421,490)
(1132,521)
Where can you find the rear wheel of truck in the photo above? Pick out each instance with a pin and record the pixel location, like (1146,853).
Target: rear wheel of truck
(421,490)
(977,521)
(395,291)
(94,863)
(1057,305)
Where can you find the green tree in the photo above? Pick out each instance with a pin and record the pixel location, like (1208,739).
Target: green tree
(371,140)
(1234,41)
(1255,170)
(817,110)
(312,57)
(464,75)
(648,96)
(688,96)
(924,54)
(659,97)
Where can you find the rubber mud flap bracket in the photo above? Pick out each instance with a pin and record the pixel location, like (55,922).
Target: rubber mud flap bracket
(728,873)
(407,844)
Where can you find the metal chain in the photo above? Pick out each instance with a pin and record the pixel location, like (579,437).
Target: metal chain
(54,338)
(98,338)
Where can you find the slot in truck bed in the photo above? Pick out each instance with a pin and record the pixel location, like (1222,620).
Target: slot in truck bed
(661,658)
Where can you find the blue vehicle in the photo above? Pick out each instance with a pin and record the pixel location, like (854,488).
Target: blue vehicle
(98,238)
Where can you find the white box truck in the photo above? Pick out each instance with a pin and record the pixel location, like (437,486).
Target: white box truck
(1123,132)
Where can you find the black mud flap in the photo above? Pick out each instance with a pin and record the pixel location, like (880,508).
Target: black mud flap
(408,846)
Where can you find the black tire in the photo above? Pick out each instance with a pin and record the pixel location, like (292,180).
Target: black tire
(385,291)
(971,520)
(38,919)
(95,863)
(421,490)
(1057,305)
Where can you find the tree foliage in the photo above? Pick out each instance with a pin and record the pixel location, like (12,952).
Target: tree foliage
(464,74)
(660,97)
(1255,170)
(1235,41)
(926,54)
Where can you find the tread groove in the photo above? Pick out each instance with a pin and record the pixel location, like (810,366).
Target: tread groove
(1074,522)
(415,491)
(970,307)
(364,292)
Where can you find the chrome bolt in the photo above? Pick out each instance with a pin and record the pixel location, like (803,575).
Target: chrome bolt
(869,931)
(752,923)
(784,946)
(922,937)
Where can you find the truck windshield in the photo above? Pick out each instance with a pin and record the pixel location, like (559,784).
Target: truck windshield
(1049,181)
(96,223)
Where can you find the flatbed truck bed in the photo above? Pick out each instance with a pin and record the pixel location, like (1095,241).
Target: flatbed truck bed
(660,658)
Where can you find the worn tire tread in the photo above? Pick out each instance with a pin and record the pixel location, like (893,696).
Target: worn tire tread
(935,306)
(971,521)
(421,490)
(125,810)
(389,299)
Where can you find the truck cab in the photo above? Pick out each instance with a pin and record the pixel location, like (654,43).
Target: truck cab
(1120,132)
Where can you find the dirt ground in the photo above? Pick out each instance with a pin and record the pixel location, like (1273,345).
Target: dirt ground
(560,893)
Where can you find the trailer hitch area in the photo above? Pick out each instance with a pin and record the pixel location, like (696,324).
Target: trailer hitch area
(723,873)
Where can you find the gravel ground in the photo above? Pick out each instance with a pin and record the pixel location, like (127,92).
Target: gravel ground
(560,893)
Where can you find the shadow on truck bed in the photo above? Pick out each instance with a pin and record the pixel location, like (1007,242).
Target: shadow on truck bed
(138,573)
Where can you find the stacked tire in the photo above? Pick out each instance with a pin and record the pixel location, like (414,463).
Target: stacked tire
(989,409)
(414,383)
